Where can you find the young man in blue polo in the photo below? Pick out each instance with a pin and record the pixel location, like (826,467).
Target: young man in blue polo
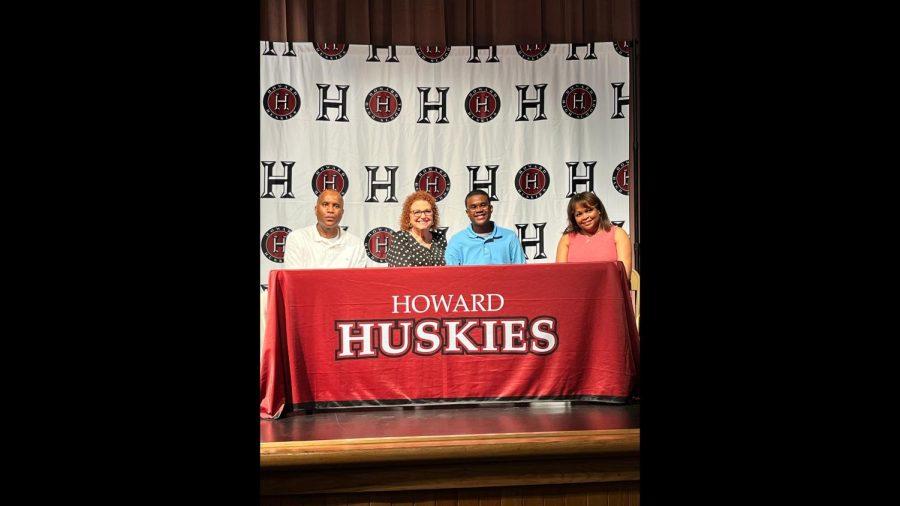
(483,242)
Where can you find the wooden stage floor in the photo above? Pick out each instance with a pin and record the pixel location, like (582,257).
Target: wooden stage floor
(475,419)
(539,452)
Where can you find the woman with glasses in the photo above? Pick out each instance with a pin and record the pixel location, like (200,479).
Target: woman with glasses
(590,236)
(418,242)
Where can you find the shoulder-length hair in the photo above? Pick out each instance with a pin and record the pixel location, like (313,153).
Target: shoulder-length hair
(405,223)
(591,200)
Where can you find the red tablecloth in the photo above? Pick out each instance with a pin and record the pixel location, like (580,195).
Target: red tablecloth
(405,336)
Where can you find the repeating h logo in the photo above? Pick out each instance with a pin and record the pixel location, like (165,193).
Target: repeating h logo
(374,184)
(326,103)
(281,102)
(532,242)
(573,55)
(270,180)
(532,52)
(619,100)
(576,180)
(330,177)
(272,243)
(434,181)
(392,53)
(528,103)
(489,184)
(620,178)
(482,104)
(331,51)
(377,242)
(579,101)
(475,50)
(439,105)
(532,181)
(623,47)
(434,54)
(383,104)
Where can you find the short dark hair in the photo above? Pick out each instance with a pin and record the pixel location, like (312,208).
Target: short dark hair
(476,192)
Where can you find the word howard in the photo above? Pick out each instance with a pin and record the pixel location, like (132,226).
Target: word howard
(458,303)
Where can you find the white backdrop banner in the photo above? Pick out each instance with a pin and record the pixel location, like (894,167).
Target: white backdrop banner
(530,125)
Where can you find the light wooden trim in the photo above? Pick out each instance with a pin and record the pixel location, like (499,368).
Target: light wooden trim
(636,288)
(309,454)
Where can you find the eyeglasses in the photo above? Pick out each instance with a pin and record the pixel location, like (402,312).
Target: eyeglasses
(427,212)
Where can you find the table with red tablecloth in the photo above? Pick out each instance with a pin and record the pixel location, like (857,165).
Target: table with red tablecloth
(444,335)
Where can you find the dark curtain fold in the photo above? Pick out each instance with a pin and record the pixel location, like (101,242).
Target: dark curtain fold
(634,135)
(446,22)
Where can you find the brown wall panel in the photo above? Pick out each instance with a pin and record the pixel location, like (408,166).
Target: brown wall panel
(611,494)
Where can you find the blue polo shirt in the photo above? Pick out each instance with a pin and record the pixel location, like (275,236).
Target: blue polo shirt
(468,248)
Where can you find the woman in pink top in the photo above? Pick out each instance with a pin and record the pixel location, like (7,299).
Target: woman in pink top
(590,236)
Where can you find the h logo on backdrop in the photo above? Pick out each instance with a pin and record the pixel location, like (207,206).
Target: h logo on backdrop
(532,52)
(272,243)
(577,181)
(281,102)
(619,100)
(439,105)
(374,184)
(623,47)
(383,104)
(433,54)
(579,101)
(330,177)
(620,179)
(326,103)
(270,180)
(331,51)
(377,242)
(392,53)
(532,181)
(529,103)
(434,181)
(475,50)
(489,185)
(573,54)
(482,104)
(537,241)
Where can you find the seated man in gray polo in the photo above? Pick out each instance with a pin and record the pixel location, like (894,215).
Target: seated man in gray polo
(324,245)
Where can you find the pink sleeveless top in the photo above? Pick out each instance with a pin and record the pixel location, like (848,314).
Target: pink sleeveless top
(601,247)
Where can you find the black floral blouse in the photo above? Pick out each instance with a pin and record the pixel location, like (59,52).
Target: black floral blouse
(405,250)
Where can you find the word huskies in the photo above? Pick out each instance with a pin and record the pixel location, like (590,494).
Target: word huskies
(395,338)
